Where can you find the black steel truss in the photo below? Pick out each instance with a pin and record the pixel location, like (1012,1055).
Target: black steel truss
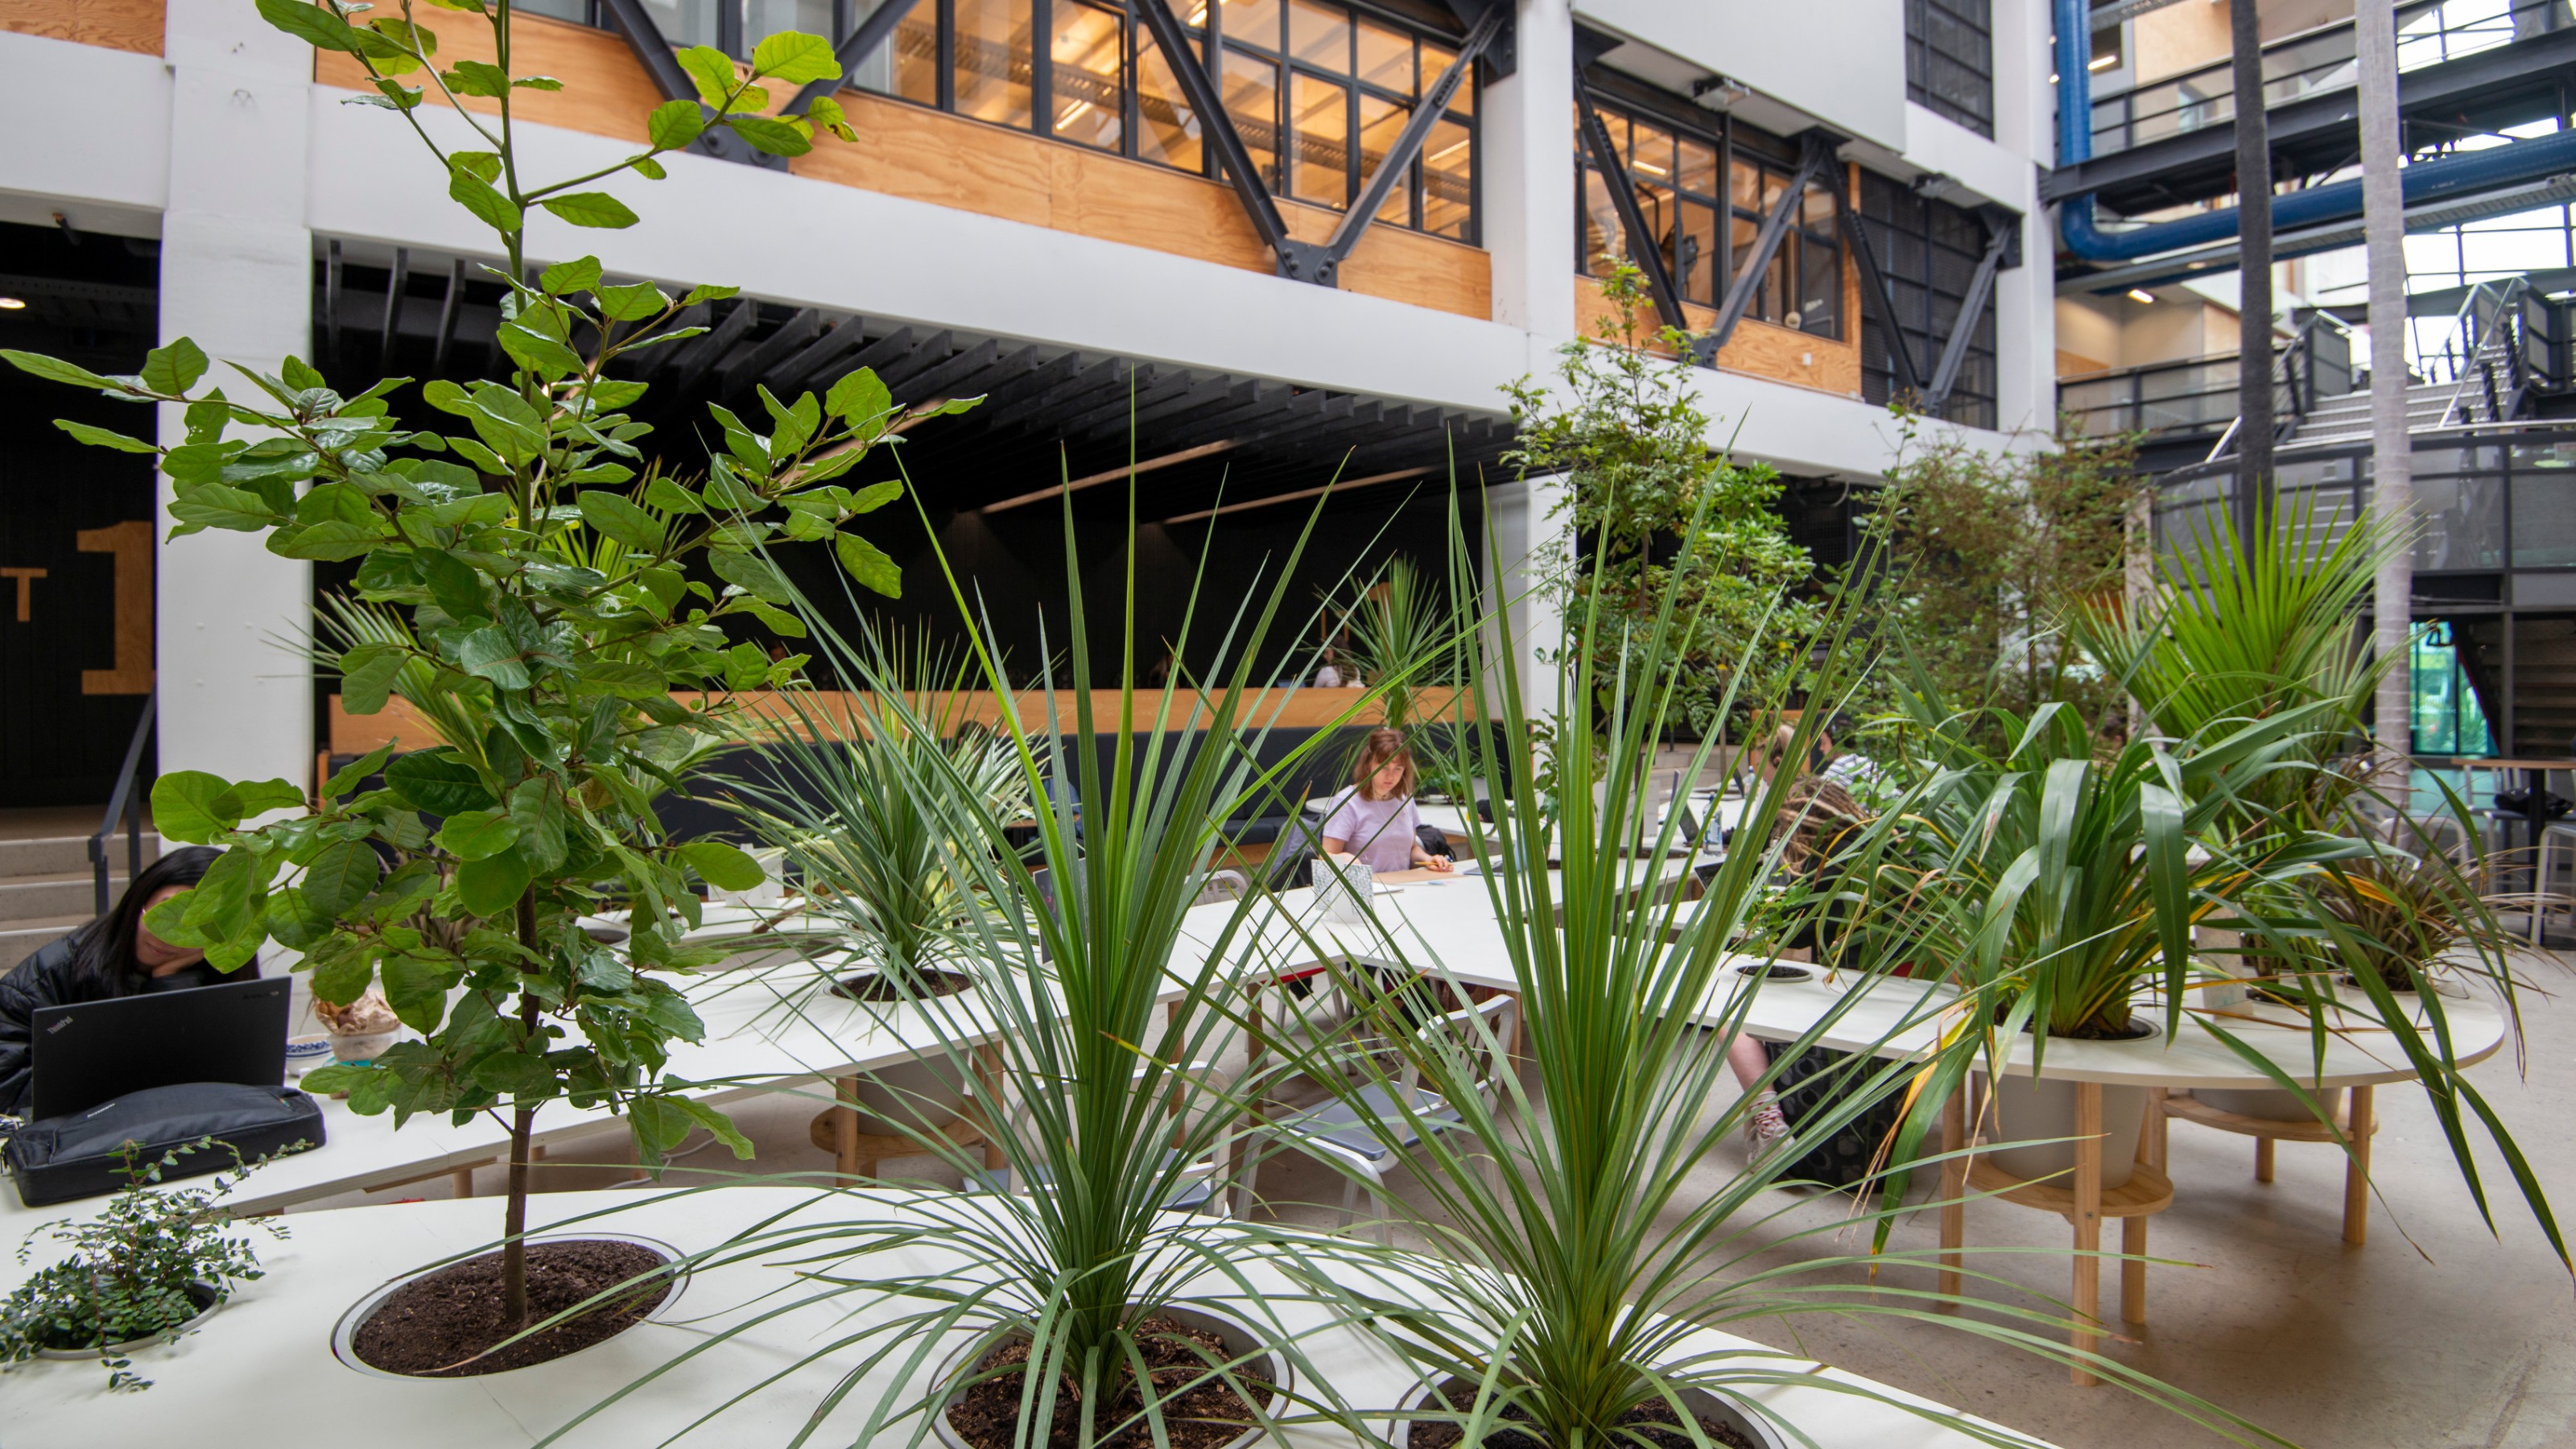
(1642,248)
(1879,299)
(1816,160)
(653,52)
(2003,237)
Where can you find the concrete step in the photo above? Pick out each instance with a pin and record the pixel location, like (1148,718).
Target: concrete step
(22,939)
(54,893)
(52,854)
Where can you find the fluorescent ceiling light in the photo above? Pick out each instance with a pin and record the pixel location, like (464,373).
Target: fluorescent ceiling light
(2104,63)
(2141,294)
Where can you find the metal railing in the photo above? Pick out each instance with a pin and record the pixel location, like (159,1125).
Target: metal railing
(2198,394)
(2312,61)
(125,799)
(2504,343)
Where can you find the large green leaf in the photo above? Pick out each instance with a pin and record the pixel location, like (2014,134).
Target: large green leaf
(775,137)
(723,866)
(755,575)
(174,369)
(795,57)
(478,834)
(341,876)
(490,886)
(712,71)
(55,370)
(367,675)
(490,654)
(869,565)
(674,124)
(193,807)
(859,397)
(538,353)
(312,24)
(477,196)
(97,437)
(591,208)
(436,782)
(612,514)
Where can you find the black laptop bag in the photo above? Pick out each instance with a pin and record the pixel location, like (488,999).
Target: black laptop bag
(75,1156)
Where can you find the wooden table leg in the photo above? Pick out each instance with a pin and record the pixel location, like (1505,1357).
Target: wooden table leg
(2356,1170)
(1954,1187)
(845,1128)
(2088,1224)
(2262,1159)
(2133,1231)
(988,1066)
(461,1182)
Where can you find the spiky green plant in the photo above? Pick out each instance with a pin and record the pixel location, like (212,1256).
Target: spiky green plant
(1579,1240)
(1402,641)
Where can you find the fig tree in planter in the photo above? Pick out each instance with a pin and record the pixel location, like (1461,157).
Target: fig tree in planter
(525,581)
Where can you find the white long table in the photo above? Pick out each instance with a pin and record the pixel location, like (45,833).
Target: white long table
(265,1360)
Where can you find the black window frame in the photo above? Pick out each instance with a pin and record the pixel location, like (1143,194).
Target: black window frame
(1927,250)
(1622,108)
(1950,60)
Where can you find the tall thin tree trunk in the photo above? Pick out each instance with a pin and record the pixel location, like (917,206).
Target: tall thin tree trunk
(2254,277)
(2383,204)
(514,1223)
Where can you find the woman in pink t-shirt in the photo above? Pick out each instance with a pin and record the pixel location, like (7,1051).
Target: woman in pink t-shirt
(1374,819)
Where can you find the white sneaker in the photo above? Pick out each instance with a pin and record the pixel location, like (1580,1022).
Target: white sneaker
(1767,1128)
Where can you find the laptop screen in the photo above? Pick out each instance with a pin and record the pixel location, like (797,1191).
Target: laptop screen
(91,1051)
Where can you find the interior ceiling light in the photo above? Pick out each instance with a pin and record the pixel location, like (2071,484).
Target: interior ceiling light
(2104,63)
(2141,294)
(13,304)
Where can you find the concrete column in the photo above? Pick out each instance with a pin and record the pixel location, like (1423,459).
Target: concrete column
(1528,141)
(2026,329)
(1524,535)
(237,276)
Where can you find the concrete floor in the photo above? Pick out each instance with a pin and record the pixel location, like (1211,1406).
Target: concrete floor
(2436,1335)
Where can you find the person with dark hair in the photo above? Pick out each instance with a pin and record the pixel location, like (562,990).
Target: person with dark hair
(1374,819)
(111,956)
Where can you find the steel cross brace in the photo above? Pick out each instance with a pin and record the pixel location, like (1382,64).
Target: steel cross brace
(654,53)
(1815,160)
(1881,299)
(1291,257)
(1408,144)
(857,46)
(1643,249)
(2003,233)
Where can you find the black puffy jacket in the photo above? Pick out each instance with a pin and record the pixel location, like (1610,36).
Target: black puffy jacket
(46,979)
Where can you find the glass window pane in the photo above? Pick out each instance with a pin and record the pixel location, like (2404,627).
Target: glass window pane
(1252,102)
(1380,123)
(1251,22)
(1820,286)
(1744,185)
(1603,242)
(576,11)
(1448,181)
(1655,207)
(1650,155)
(1740,234)
(1090,98)
(1386,58)
(1816,209)
(1695,272)
(1698,174)
(1166,130)
(1320,35)
(1435,59)
(916,55)
(684,22)
(993,71)
(762,19)
(1320,120)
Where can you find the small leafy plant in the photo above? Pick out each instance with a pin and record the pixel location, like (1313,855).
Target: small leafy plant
(138,1270)
(558,614)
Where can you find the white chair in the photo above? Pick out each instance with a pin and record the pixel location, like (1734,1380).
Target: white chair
(2554,835)
(1339,1131)
(1222,886)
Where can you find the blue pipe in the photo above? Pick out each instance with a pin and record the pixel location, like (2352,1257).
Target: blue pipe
(2469,174)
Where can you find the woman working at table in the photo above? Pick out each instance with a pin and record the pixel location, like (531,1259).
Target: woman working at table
(1374,819)
(111,956)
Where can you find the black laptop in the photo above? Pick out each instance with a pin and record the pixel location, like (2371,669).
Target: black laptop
(89,1052)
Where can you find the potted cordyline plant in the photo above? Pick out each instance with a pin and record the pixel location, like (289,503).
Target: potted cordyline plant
(1100,1286)
(1573,1271)
(2237,630)
(527,590)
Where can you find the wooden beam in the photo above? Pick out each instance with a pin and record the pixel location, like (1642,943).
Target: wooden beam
(1371,481)
(1149,465)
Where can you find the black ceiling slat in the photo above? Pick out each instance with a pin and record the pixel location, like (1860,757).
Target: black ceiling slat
(983,382)
(1114,415)
(897,372)
(1231,424)
(756,363)
(702,353)
(941,381)
(1027,426)
(801,370)
(1011,394)
(1044,414)
(1154,418)
(654,361)
(876,354)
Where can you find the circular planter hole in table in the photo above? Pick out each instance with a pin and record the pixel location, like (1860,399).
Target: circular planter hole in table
(206,1296)
(438,1324)
(877,986)
(1776,971)
(986,1415)
(1721,1422)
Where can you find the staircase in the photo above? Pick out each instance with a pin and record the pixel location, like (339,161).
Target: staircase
(47,887)
(2346,419)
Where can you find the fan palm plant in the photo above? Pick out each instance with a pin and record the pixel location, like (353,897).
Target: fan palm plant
(1402,641)
(1578,1247)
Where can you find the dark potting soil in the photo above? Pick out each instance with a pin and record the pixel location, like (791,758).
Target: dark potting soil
(987,1415)
(2136,1028)
(1645,1419)
(439,1324)
(877,986)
